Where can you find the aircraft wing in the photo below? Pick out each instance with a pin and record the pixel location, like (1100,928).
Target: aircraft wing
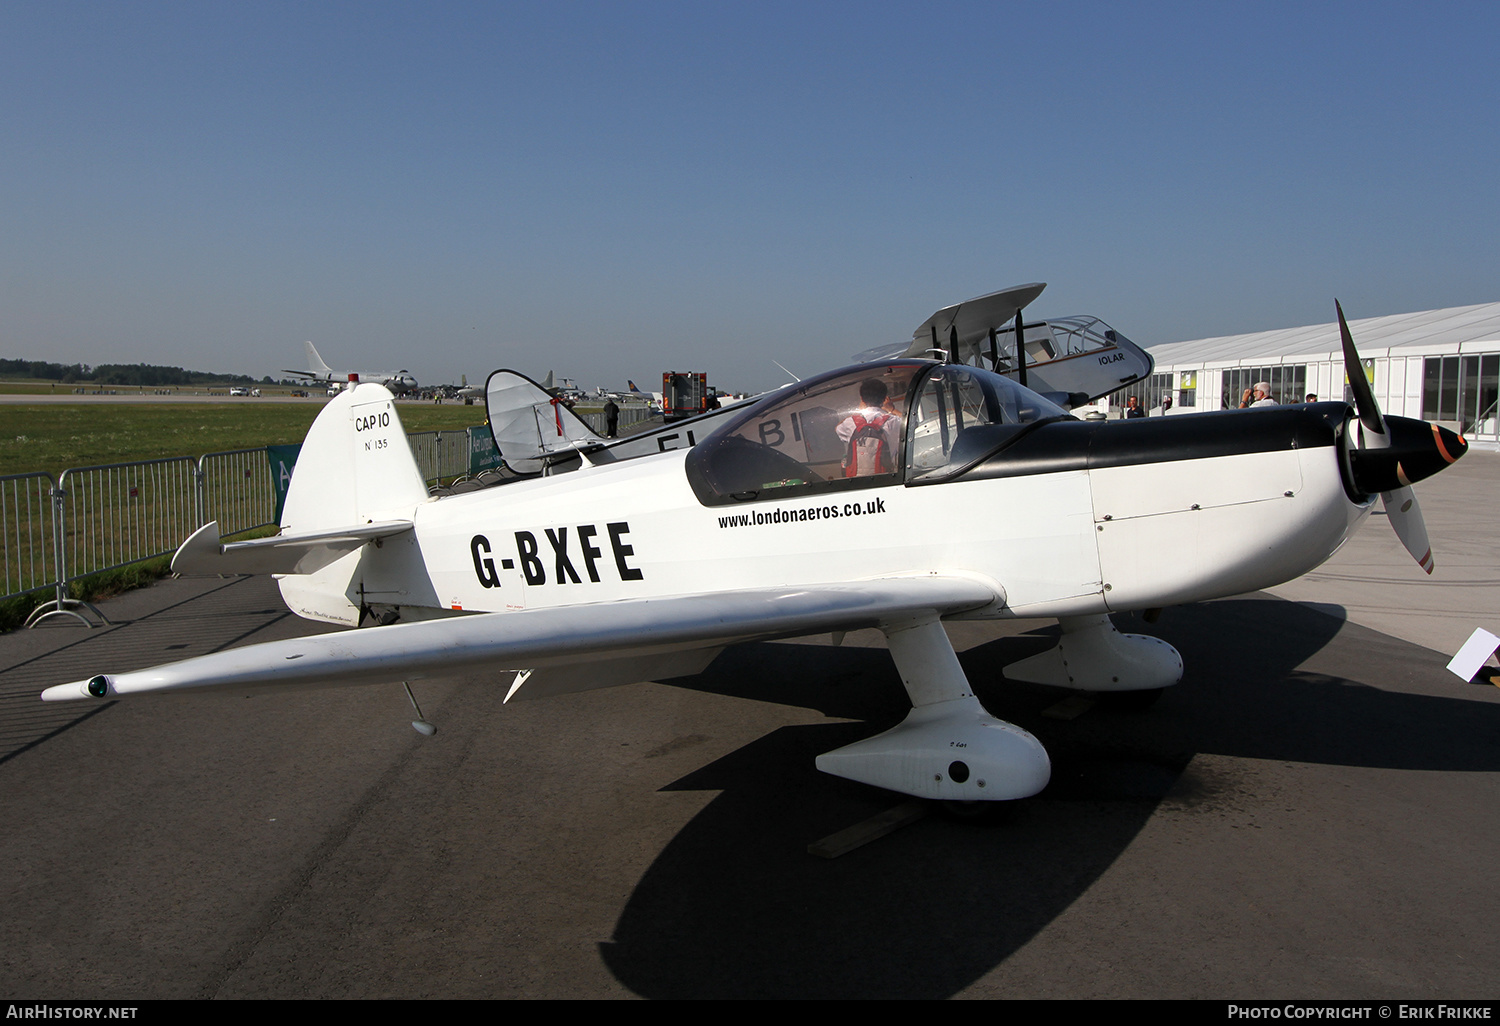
(528,423)
(1071,360)
(972,320)
(638,638)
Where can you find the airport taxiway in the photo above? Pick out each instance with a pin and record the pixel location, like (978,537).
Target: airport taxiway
(52,399)
(1310,814)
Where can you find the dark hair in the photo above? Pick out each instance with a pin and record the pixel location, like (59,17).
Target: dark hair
(872,391)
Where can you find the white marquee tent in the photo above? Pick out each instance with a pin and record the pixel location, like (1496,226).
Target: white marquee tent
(1438,365)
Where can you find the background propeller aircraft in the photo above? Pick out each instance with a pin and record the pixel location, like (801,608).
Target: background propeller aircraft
(893,494)
(630,392)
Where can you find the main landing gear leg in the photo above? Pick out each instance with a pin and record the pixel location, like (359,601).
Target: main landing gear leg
(948,747)
(1092,656)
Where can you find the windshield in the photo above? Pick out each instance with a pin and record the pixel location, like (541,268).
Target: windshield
(904,421)
(845,429)
(962,414)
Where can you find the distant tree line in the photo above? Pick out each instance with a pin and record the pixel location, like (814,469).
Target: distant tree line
(144,374)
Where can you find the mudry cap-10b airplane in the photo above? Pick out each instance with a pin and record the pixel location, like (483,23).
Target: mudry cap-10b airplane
(893,494)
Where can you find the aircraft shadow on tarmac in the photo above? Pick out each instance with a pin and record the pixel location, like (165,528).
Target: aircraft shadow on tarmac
(734,907)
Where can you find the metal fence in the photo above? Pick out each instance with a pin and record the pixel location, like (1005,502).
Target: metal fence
(125,512)
(100,518)
(237,490)
(29,545)
(440,455)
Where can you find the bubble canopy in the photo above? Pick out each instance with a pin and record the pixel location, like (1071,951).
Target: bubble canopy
(892,422)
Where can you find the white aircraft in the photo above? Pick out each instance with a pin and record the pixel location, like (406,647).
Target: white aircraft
(398,382)
(631,392)
(894,494)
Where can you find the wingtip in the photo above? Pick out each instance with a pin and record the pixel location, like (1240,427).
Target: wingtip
(74,692)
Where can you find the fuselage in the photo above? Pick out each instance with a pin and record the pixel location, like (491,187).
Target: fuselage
(1063,518)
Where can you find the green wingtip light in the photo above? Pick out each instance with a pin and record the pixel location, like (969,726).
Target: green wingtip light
(99,686)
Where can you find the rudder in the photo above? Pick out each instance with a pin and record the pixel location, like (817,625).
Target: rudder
(355,467)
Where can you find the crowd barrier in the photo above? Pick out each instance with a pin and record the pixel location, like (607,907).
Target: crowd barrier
(30,540)
(441,455)
(54,531)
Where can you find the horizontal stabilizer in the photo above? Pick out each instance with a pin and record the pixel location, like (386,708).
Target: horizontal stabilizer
(540,638)
(297,553)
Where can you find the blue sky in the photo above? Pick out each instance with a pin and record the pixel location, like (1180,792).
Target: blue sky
(613,189)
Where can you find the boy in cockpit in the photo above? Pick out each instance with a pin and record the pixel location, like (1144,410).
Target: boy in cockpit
(871,434)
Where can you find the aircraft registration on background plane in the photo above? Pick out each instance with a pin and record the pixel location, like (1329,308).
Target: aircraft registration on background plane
(399,382)
(895,494)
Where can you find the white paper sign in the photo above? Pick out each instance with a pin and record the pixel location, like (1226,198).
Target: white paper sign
(1475,651)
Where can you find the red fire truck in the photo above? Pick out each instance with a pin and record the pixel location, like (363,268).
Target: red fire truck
(683,394)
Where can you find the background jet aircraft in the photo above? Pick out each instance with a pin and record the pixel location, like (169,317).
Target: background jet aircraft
(399,382)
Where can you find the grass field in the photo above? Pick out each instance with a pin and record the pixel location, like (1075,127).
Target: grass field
(33,388)
(55,437)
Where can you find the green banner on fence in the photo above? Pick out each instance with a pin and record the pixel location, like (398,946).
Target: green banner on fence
(283,461)
(482,452)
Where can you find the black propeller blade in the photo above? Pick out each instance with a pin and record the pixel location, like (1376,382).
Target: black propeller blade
(1354,370)
(1392,453)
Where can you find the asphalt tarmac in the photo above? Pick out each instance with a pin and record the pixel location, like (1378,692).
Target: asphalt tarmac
(1311,813)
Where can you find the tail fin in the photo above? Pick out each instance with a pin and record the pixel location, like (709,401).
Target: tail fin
(355,466)
(316,365)
(355,470)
